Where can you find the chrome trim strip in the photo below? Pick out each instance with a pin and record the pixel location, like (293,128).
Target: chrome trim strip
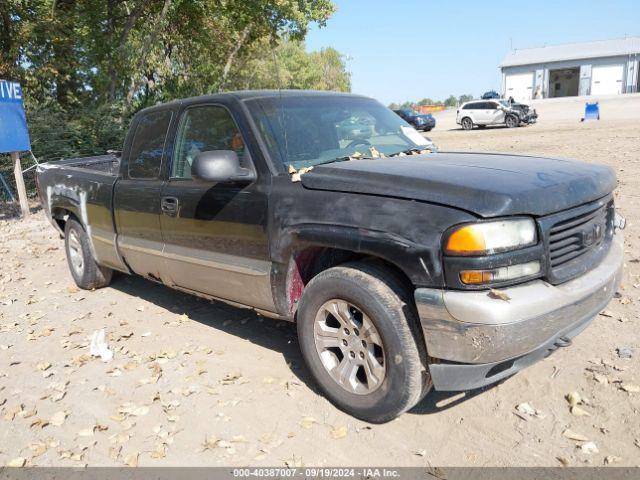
(221,261)
(142,245)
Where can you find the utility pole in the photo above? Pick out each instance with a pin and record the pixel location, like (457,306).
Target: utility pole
(22,191)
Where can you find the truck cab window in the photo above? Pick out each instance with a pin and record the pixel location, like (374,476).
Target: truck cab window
(147,147)
(203,129)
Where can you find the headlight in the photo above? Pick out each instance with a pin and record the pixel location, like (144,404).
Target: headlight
(501,274)
(487,238)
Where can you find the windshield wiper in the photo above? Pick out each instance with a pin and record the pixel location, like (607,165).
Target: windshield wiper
(346,158)
(411,151)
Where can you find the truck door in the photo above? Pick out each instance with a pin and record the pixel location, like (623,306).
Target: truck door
(137,195)
(215,233)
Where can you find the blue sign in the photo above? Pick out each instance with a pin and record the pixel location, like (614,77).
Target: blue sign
(14,135)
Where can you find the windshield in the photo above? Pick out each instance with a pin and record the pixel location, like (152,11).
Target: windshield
(309,130)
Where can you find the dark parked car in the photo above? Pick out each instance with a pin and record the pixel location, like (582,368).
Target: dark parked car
(403,273)
(421,121)
(490,95)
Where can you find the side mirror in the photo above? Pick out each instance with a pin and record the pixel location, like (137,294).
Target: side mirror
(220,166)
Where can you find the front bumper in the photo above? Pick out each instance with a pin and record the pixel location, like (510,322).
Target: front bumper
(479,340)
(531,117)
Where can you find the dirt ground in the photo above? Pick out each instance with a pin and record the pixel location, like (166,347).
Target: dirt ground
(200,383)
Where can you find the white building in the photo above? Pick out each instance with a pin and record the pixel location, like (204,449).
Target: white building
(591,68)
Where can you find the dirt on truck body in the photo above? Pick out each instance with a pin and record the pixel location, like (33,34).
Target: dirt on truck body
(405,271)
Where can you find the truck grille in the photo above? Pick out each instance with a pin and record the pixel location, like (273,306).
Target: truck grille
(577,239)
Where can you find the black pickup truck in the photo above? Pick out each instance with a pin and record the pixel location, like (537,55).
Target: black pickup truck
(404,269)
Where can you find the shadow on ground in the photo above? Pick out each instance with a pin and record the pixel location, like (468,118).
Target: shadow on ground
(279,336)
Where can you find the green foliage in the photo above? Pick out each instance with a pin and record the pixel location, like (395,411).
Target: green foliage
(86,67)
(451,101)
(464,98)
(289,66)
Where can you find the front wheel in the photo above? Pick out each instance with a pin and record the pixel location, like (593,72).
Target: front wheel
(467,123)
(85,271)
(512,121)
(359,336)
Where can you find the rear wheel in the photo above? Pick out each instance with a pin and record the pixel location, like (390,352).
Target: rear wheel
(512,121)
(359,336)
(85,271)
(467,123)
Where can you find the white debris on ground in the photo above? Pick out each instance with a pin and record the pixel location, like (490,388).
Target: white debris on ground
(98,346)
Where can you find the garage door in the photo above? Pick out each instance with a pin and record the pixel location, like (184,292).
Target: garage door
(607,79)
(519,86)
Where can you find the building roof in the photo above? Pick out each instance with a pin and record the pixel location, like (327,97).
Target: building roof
(572,51)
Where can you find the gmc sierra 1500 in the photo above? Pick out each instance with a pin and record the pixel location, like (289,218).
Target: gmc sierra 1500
(404,270)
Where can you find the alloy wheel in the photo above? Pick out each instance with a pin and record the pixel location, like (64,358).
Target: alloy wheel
(349,347)
(75,253)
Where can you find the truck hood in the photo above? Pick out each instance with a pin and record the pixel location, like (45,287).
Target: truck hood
(488,185)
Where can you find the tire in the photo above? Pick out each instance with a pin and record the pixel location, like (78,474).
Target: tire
(367,295)
(511,121)
(467,123)
(85,271)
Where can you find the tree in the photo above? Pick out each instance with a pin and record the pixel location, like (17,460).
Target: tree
(426,101)
(289,66)
(451,101)
(86,67)
(464,98)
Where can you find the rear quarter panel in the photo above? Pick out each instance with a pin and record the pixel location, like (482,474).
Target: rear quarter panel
(88,195)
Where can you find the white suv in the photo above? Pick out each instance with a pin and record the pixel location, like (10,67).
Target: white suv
(494,112)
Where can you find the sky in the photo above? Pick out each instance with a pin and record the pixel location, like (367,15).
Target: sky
(400,50)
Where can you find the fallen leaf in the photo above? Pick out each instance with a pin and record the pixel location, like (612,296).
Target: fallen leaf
(38,448)
(58,418)
(627,387)
(17,462)
(308,422)
(563,461)
(131,460)
(526,409)
(579,412)
(609,459)
(114,452)
(86,432)
(338,432)
(43,366)
(589,448)
(571,435)
(420,453)
(573,398)
(498,295)
(600,378)
(210,442)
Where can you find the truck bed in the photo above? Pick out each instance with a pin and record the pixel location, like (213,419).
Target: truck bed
(109,164)
(83,188)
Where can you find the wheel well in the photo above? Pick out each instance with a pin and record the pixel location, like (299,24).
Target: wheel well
(309,262)
(61,215)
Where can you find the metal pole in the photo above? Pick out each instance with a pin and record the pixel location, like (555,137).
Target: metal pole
(22,192)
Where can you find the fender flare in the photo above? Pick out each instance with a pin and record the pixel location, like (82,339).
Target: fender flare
(419,263)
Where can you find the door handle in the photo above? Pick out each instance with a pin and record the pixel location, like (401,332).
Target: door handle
(169,205)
